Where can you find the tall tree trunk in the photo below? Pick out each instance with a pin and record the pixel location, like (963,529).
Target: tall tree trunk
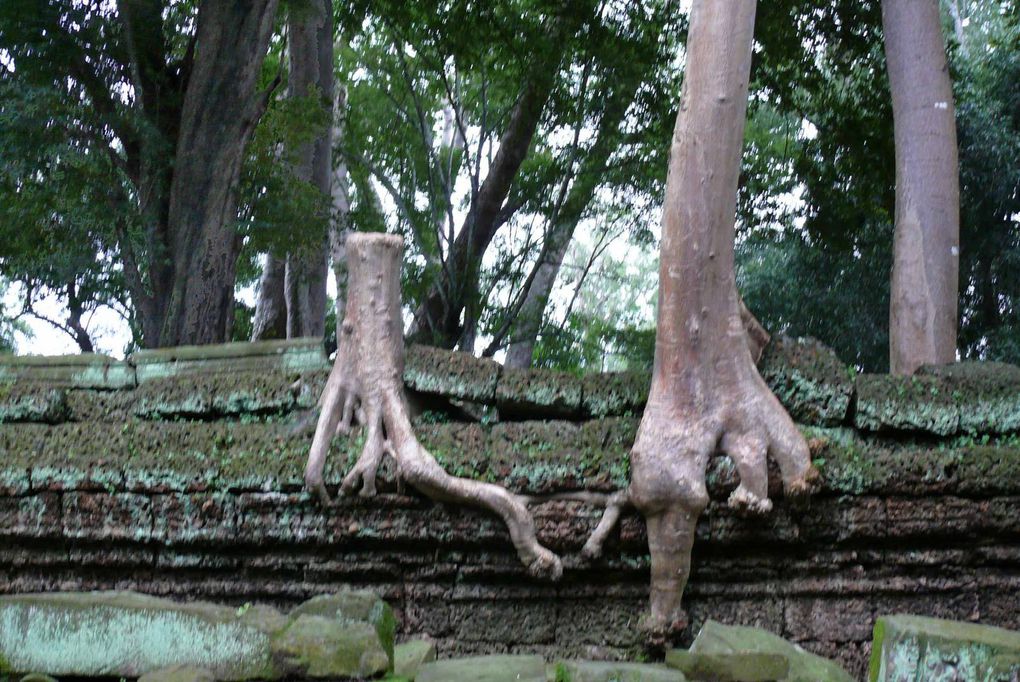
(271,308)
(311,72)
(437,319)
(926,244)
(220,110)
(706,392)
(339,225)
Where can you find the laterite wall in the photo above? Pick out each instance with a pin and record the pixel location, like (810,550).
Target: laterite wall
(179,473)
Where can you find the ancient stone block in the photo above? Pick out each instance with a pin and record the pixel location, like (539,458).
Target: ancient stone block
(28,402)
(292,355)
(613,394)
(409,657)
(455,375)
(84,370)
(608,671)
(917,647)
(809,379)
(732,667)
(538,393)
(716,638)
(484,669)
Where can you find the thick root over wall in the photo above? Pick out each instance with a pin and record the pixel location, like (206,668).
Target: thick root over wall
(366,385)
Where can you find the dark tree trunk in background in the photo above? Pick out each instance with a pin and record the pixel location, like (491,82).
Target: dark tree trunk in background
(926,245)
(706,393)
(311,72)
(270,320)
(437,320)
(220,110)
(295,283)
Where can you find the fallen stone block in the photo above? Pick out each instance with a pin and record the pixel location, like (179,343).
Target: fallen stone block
(738,667)
(484,669)
(716,638)
(919,648)
(409,657)
(125,634)
(609,671)
(809,379)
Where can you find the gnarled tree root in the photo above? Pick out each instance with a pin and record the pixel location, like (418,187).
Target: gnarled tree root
(366,385)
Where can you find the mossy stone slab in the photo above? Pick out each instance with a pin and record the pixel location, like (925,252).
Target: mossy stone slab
(612,394)
(988,394)
(809,379)
(539,393)
(609,671)
(716,638)
(125,634)
(410,656)
(355,606)
(436,371)
(33,403)
(318,646)
(291,355)
(919,648)
(85,370)
(921,404)
(484,669)
(736,667)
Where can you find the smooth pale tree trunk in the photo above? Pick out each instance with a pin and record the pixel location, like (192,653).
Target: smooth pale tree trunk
(339,226)
(367,383)
(270,320)
(706,393)
(220,110)
(311,72)
(926,244)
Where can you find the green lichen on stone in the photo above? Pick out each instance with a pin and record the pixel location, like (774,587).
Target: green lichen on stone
(31,402)
(317,646)
(126,634)
(454,375)
(914,404)
(539,392)
(987,393)
(355,606)
(716,638)
(935,650)
(614,393)
(729,667)
(809,380)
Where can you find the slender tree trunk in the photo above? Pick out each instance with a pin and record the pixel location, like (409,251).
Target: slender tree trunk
(339,226)
(438,319)
(706,392)
(271,308)
(220,110)
(311,71)
(926,244)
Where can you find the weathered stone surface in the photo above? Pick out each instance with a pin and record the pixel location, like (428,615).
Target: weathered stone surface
(530,392)
(613,394)
(355,606)
(807,377)
(936,650)
(607,671)
(716,638)
(484,669)
(85,370)
(455,375)
(318,646)
(127,634)
(733,667)
(30,402)
(292,355)
(988,394)
(410,656)
(178,673)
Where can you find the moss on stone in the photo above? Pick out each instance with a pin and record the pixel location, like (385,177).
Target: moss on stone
(454,375)
(536,392)
(31,402)
(809,379)
(615,393)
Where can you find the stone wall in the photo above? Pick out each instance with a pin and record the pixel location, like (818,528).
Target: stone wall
(178,473)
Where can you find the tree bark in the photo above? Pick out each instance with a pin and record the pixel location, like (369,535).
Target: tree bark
(367,382)
(271,307)
(311,72)
(339,226)
(706,392)
(926,243)
(219,112)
